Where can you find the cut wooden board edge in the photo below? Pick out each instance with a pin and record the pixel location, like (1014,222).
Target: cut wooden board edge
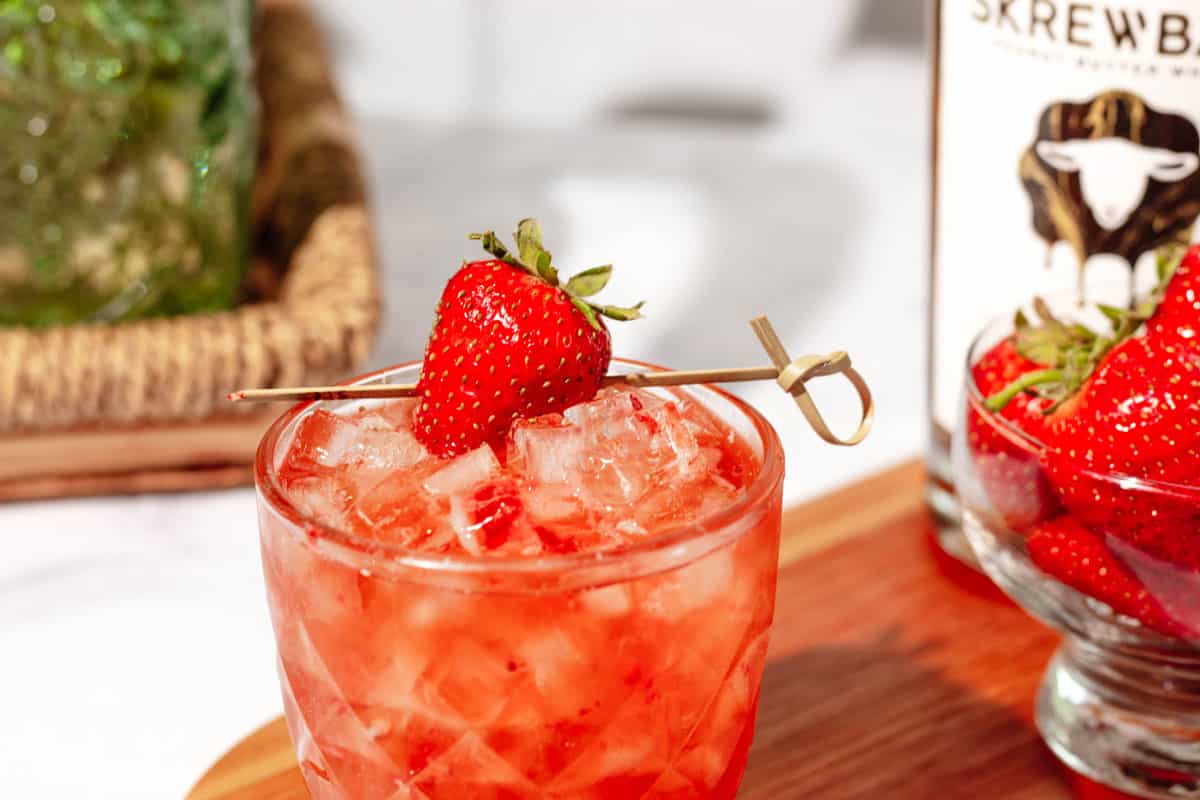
(263,757)
(857,509)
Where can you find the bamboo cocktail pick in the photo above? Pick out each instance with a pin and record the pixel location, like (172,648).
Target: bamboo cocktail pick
(790,374)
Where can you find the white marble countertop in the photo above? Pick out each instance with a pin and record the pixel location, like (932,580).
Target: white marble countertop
(134,642)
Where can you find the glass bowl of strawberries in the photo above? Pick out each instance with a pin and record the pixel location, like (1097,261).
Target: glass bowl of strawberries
(1077,459)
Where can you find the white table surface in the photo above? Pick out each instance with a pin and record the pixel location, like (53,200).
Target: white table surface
(134,642)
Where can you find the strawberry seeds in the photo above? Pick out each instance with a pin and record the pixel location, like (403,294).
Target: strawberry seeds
(510,341)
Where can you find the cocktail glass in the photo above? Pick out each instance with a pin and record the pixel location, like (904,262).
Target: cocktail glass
(1120,700)
(626,674)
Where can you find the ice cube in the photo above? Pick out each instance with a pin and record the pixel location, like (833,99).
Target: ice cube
(463,473)
(392,683)
(372,420)
(553,503)
(433,607)
(364,447)
(697,586)
(548,453)
(641,435)
(324,498)
(614,481)
(713,495)
(399,412)
(610,453)
(322,440)
(611,406)
(387,448)
(669,504)
(457,482)
(466,529)
(473,675)
(563,675)
(662,443)
(497,509)
(608,601)
(397,509)
(710,458)
(492,518)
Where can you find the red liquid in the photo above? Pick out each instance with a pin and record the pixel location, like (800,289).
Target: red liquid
(403,682)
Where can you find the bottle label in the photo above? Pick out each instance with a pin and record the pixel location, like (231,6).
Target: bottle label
(1068,151)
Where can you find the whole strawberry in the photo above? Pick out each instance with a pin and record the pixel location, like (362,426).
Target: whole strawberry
(1135,415)
(1125,417)
(1007,466)
(1066,550)
(510,341)
(1126,432)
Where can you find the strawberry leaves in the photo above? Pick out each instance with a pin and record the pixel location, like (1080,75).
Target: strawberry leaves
(620,313)
(1071,352)
(532,254)
(534,258)
(590,281)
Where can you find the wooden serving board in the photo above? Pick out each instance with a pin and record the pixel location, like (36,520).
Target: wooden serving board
(894,671)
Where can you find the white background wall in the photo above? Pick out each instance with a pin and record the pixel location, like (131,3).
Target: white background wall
(556,62)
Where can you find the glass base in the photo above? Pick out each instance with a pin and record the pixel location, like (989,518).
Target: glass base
(1127,719)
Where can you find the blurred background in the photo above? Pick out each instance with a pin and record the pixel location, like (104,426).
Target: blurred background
(764,157)
(730,159)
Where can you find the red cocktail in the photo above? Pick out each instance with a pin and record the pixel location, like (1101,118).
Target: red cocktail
(580,610)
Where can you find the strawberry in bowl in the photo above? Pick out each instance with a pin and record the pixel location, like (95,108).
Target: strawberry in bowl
(1077,459)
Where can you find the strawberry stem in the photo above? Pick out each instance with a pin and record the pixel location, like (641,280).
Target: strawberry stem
(1000,399)
(1072,351)
(535,259)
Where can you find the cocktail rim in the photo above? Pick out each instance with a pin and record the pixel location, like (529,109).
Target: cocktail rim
(691,541)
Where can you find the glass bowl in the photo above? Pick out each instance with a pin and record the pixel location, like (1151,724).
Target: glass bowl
(1111,561)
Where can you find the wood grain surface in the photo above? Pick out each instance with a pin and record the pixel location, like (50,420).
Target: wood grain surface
(207,454)
(894,672)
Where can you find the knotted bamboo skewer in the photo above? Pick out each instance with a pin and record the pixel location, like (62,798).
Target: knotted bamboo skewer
(791,375)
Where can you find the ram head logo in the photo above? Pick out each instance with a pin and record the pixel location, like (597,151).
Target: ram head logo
(1113,175)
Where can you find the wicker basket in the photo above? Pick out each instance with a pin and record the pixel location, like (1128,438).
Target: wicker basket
(142,405)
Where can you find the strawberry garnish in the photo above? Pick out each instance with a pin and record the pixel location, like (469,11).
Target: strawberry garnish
(1066,550)
(509,340)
